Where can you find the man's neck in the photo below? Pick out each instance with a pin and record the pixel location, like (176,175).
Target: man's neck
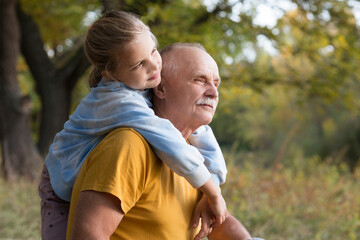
(185,130)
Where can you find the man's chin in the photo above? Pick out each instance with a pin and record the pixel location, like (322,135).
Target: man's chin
(207,120)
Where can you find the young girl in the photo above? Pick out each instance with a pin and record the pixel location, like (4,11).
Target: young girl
(119,97)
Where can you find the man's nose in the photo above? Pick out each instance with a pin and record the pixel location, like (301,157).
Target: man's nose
(212,90)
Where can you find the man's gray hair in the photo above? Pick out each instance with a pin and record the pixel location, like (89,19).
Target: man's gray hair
(170,47)
(170,66)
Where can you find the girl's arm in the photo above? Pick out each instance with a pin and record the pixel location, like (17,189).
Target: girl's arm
(204,140)
(112,105)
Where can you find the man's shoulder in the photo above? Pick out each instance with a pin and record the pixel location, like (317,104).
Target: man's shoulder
(124,143)
(124,131)
(124,137)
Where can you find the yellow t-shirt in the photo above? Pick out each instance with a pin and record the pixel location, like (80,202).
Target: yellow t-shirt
(158,204)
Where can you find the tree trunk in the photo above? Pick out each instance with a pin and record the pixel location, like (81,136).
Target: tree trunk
(53,84)
(20,157)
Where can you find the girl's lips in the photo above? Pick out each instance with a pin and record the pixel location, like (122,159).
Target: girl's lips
(155,76)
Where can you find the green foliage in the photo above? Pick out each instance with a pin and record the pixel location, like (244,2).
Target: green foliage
(60,21)
(306,94)
(320,54)
(274,125)
(305,200)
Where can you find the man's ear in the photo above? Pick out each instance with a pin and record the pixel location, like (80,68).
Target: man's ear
(160,90)
(105,74)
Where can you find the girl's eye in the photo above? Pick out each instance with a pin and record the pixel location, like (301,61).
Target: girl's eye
(154,51)
(137,66)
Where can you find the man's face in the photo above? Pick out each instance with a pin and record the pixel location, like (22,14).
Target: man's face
(191,89)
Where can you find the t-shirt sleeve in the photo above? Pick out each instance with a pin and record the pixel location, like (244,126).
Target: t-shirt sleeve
(118,166)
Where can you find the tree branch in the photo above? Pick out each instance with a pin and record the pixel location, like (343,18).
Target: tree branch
(32,46)
(74,68)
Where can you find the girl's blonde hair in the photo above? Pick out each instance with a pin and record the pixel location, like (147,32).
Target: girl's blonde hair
(106,38)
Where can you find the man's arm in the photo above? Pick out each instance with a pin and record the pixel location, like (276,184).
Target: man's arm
(97,215)
(231,229)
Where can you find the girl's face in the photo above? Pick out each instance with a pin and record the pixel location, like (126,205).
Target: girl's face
(140,63)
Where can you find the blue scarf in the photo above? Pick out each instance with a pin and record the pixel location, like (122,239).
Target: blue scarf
(111,105)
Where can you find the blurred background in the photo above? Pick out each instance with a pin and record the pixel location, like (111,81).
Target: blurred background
(288,118)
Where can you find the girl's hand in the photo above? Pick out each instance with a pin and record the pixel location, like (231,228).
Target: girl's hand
(203,211)
(215,200)
(218,207)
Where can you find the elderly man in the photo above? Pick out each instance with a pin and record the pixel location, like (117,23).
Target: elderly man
(125,191)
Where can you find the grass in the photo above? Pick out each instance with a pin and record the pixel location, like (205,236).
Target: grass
(19,211)
(309,200)
(303,200)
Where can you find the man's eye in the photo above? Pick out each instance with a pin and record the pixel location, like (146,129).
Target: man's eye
(201,80)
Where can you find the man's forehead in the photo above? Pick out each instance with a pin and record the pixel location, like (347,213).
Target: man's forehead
(186,51)
(192,57)
(205,71)
(206,67)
